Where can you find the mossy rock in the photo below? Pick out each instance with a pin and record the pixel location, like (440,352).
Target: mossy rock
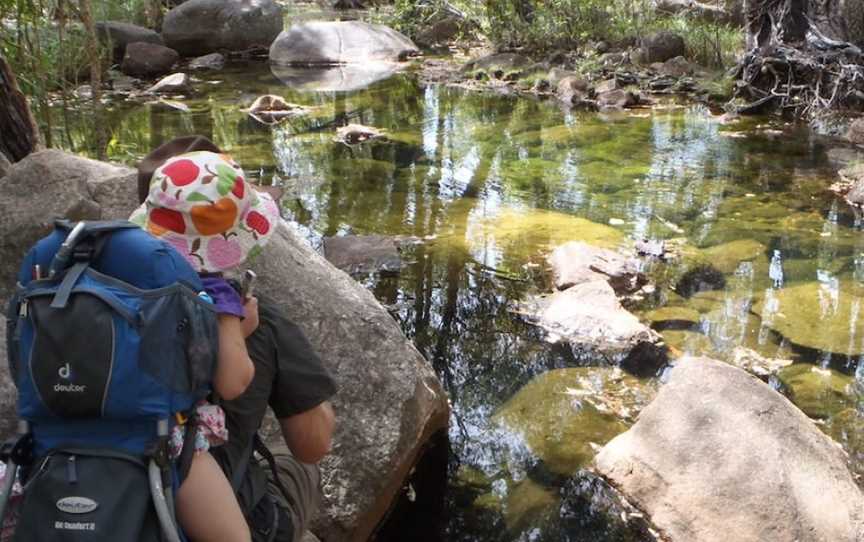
(533,228)
(529,504)
(727,256)
(670,314)
(820,393)
(812,316)
(563,412)
(684,342)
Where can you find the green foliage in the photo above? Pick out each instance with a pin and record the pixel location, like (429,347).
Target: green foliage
(567,24)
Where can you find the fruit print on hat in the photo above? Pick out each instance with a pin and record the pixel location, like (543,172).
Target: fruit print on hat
(199,203)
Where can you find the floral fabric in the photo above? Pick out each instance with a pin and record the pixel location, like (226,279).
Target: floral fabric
(210,431)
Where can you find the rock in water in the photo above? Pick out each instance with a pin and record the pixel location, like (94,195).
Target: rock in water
(818,316)
(576,262)
(363,254)
(119,35)
(148,59)
(820,393)
(339,42)
(199,27)
(213,61)
(176,83)
(597,328)
(389,402)
(720,456)
(563,414)
(354,134)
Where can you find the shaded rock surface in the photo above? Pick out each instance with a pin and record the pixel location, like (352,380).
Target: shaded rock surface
(590,319)
(855,132)
(213,61)
(661,47)
(148,59)
(339,42)
(119,35)
(389,402)
(362,254)
(851,185)
(617,99)
(499,64)
(199,27)
(564,415)
(721,456)
(386,415)
(68,187)
(576,262)
(5,165)
(8,392)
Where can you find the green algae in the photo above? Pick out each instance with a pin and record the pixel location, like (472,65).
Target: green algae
(668,314)
(818,316)
(728,256)
(820,393)
(529,504)
(685,342)
(564,414)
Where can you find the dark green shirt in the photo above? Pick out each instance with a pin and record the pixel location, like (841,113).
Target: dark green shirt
(289,377)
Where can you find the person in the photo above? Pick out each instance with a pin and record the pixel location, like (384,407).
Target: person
(278,488)
(199,203)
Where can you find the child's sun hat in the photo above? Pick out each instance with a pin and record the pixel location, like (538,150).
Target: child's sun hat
(201,204)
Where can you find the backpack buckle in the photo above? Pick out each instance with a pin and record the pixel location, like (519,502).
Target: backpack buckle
(19,449)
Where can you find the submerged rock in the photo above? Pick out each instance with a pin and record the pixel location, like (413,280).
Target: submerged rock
(563,414)
(847,428)
(592,510)
(701,278)
(148,59)
(543,228)
(727,257)
(339,42)
(817,315)
(590,319)
(363,254)
(721,456)
(199,27)
(529,504)
(576,262)
(756,364)
(820,393)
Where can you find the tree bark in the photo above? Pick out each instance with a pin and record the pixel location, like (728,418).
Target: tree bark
(19,135)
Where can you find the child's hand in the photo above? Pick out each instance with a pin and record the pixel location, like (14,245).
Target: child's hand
(250,320)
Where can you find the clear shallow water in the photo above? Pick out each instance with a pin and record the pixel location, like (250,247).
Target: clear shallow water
(481,187)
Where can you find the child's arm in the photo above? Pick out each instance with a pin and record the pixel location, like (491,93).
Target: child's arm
(235,369)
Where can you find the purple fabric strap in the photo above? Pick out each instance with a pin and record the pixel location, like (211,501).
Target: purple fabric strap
(225,298)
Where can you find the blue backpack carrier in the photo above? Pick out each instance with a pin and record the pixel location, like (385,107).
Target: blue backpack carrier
(111,344)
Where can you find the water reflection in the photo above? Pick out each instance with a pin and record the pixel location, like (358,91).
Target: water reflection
(485,185)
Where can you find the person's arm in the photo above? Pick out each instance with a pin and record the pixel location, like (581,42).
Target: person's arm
(309,434)
(234,370)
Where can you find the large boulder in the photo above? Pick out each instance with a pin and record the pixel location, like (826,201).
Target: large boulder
(198,27)
(118,35)
(719,455)
(389,402)
(47,185)
(661,47)
(332,43)
(148,59)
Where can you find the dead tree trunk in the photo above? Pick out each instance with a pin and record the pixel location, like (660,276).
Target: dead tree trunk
(799,59)
(19,135)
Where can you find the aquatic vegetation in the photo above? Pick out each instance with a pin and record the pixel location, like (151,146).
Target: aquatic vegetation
(564,414)
(820,393)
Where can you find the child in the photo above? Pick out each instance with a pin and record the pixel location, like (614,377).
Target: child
(200,203)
